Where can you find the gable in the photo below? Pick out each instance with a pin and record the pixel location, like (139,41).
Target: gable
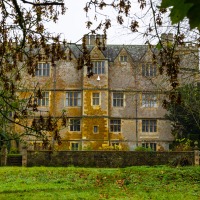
(123,55)
(96,54)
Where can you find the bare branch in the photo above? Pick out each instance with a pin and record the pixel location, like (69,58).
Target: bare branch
(46,3)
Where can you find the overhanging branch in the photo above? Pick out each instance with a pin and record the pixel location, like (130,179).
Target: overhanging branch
(46,3)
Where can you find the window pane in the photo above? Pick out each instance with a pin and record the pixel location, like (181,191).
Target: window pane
(98,67)
(103,68)
(149,70)
(43,69)
(73,99)
(75,125)
(149,100)
(149,126)
(95,129)
(45,99)
(79,102)
(74,146)
(95,98)
(118,99)
(115,125)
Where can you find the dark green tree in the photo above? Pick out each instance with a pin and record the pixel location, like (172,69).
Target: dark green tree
(184,112)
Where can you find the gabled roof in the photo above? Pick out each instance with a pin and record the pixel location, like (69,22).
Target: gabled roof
(112,51)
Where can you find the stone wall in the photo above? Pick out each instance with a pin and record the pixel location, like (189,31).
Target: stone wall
(104,158)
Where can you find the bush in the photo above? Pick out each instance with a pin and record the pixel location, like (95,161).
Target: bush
(181,161)
(183,144)
(14,151)
(143,149)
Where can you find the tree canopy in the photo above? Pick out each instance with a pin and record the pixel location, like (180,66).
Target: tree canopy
(22,37)
(181,9)
(185,115)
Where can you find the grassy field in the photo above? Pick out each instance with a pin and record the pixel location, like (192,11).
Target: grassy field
(89,183)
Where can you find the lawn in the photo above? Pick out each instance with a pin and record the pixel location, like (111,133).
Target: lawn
(73,183)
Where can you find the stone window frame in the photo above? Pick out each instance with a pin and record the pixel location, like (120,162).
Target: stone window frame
(115,125)
(98,67)
(96,100)
(45,101)
(149,70)
(71,100)
(43,69)
(149,100)
(75,125)
(151,145)
(76,147)
(149,125)
(118,101)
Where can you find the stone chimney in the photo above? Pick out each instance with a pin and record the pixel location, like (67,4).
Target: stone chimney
(170,37)
(95,39)
(167,37)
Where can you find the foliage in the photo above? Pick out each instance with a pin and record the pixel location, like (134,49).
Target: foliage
(181,161)
(13,151)
(184,8)
(139,148)
(185,113)
(183,144)
(24,42)
(114,147)
(149,24)
(86,183)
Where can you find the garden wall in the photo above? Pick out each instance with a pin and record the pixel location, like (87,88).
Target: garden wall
(104,158)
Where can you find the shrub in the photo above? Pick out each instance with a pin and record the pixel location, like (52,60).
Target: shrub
(142,149)
(183,144)
(14,151)
(181,161)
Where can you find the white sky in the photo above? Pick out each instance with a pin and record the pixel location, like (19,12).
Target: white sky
(72,25)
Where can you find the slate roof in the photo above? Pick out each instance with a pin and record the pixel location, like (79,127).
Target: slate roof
(135,51)
(112,51)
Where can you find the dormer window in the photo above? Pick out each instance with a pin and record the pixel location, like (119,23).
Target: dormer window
(123,59)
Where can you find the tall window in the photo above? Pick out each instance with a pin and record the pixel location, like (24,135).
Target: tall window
(115,125)
(45,99)
(148,70)
(150,145)
(95,99)
(75,125)
(95,129)
(99,67)
(123,59)
(73,99)
(149,100)
(149,126)
(74,146)
(43,69)
(118,99)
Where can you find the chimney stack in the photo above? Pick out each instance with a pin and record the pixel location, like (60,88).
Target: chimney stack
(95,40)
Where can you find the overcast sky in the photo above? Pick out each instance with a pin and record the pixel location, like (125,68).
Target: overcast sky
(72,25)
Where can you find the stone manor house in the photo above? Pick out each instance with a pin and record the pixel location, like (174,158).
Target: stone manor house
(119,106)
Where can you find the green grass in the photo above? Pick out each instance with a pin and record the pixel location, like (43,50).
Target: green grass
(72,183)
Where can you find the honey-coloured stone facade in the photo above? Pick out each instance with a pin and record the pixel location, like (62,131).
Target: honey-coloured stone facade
(120,117)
